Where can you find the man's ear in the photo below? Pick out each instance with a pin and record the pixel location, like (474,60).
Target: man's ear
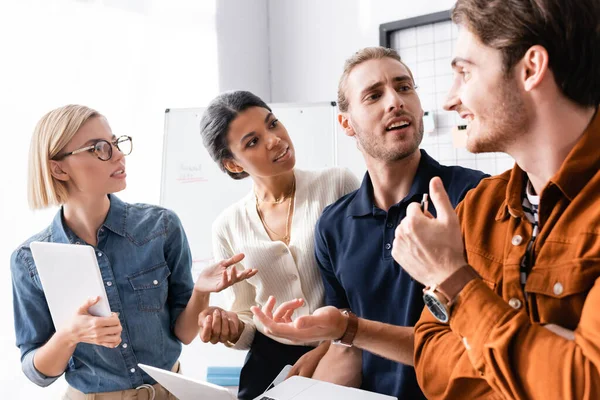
(231,166)
(344,121)
(534,67)
(57,171)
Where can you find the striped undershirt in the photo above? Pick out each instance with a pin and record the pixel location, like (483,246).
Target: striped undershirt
(531,202)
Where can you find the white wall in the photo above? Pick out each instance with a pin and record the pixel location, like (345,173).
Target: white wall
(310,39)
(243,42)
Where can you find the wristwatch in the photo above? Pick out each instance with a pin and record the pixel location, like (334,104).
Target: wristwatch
(351,328)
(439,298)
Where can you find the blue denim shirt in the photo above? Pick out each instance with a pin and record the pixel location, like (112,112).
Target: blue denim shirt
(145,262)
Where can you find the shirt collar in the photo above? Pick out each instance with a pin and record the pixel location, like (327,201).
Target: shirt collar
(582,163)
(115,222)
(60,232)
(117,216)
(575,172)
(363,203)
(514,195)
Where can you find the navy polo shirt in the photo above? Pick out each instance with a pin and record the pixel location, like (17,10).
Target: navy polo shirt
(353,246)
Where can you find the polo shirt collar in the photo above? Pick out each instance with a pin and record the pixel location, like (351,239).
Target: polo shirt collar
(363,203)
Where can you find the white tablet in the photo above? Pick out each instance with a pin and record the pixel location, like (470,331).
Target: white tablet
(70,276)
(185,388)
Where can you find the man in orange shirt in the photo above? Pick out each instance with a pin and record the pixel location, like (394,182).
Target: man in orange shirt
(512,303)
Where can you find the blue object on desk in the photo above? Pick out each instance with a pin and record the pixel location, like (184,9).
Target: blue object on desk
(224,376)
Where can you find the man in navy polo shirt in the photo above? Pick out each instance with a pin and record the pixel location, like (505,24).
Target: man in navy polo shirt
(380,108)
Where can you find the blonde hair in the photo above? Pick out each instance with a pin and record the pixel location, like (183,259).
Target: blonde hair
(366,54)
(51,135)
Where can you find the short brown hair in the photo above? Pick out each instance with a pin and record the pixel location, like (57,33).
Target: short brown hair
(366,54)
(52,133)
(569,30)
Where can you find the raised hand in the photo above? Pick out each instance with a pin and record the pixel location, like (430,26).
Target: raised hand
(326,323)
(102,331)
(430,249)
(219,326)
(219,276)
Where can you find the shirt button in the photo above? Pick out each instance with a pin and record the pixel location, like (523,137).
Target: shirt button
(390,225)
(124,345)
(99,254)
(155,282)
(517,240)
(388,246)
(109,283)
(294,278)
(515,303)
(132,370)
(101,229)
(558,288)
(77,243)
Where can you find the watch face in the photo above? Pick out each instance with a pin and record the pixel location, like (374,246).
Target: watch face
(437,309)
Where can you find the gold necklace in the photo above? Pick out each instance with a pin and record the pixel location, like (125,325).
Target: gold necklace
(286,238)
(281,199)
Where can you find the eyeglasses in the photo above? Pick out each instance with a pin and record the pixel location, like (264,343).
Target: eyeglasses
(103,149)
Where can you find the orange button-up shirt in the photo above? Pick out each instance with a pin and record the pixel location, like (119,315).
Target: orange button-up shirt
(495,346)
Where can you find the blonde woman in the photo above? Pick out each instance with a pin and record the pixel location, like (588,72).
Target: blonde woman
(76,162)
(274,226)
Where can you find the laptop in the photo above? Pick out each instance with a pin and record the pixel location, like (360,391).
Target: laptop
(185,388)
(294,388)
(300,388)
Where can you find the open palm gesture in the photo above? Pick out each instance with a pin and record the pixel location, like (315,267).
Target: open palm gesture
(326,323)
(220,276)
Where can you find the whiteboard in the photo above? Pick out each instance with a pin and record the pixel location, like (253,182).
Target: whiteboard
(198,190)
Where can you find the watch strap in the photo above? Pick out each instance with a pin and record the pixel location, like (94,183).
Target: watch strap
(351,328)
(453,285)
